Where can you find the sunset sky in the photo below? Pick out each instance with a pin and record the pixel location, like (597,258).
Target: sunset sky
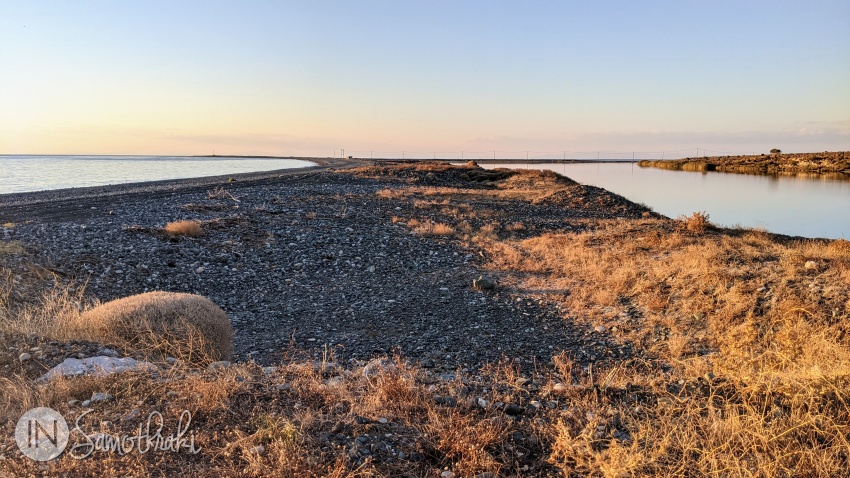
(311,77)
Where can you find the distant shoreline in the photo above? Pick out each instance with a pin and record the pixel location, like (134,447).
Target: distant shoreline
(825,163)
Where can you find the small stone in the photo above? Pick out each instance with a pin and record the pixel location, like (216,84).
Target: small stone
(361,420)
(134,414)
(402,455)
(24,357)
(200,269)
(269,370)
(535,404)
(100,397)
(377,367)
(664,401)
(560,388)
(171,394)
(513,409)
(481,402)
(447,474)
(600,328)
(73,402)
(220,365)
(171,360)
(809,265)
(484,283)
(371,269)
(257,450)
(284,387)
(85,403)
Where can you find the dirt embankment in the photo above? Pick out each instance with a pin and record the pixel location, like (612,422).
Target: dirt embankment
(826,163)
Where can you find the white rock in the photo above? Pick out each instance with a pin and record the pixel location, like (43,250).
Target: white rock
(600,328)
(24,357)
(98,366)
(447,474)
(811,265)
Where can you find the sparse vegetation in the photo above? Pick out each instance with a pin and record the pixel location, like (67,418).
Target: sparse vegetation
(696,222)
(183,228)
(186,326)
(740,360)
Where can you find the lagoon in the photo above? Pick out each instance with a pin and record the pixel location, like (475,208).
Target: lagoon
(796,206)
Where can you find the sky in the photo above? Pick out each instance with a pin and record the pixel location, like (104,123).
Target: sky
(309,78)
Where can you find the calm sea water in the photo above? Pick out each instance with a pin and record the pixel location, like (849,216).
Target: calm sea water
(22,173)
(787,205)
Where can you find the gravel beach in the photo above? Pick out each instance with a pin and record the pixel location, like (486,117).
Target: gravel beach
(311,260)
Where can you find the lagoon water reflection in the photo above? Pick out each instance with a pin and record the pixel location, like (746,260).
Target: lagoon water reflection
(798,206)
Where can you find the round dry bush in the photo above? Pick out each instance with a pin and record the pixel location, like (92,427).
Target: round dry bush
(186,326)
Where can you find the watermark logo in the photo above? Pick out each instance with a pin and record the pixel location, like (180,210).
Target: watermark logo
(42,434)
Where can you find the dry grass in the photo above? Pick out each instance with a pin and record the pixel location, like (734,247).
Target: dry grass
(741,366)
(186,326)
(183,228)
(757,346)
(696,222)
(429,228)
(11,247)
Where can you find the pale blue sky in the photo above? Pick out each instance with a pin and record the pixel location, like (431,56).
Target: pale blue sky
(308,78)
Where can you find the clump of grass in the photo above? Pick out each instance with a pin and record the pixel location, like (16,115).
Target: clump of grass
(187,326)
(11,247)
(515,227)
(430,228)
(183,228)
(696,222)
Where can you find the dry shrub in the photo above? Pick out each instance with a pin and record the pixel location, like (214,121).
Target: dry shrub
(431,228)
(467,442)
(389,193)
(515,227)
(11,247)
(184,325)
(183,228)
(696,222)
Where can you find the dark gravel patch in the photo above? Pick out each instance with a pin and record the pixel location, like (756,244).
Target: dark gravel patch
(312,261)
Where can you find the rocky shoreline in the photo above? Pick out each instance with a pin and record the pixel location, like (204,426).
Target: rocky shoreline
(311,260)
(831,164)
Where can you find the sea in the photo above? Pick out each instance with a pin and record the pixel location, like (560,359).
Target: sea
(24,173)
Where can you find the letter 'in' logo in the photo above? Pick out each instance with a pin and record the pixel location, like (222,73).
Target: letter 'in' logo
(42,434)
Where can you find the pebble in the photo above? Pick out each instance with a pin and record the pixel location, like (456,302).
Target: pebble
(481,402)
(809,265)
(447,474)
(600,328)
(24,357)
(220,365)
(100,397)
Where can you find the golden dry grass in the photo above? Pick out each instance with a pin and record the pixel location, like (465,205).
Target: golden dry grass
(11,247)
(187,326)
(429,228)
(183,228)
(757,346)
